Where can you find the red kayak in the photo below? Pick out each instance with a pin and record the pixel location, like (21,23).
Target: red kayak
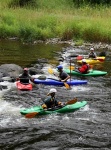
(23,87)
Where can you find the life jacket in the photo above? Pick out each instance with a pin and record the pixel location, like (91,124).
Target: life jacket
(51,102)
(84,68)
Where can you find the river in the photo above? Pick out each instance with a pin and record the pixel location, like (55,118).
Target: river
(89,128)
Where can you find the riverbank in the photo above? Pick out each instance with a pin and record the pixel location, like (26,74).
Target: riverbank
(66,23)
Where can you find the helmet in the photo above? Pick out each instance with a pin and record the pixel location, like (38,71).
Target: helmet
(91,49)
(83,60)
(25,69)
(52,91)
(59,67)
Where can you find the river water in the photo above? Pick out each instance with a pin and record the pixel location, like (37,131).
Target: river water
(89,128)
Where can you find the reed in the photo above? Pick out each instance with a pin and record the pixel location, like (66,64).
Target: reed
(52,19)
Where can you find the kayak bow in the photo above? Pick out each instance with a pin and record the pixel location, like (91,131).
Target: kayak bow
(23,87)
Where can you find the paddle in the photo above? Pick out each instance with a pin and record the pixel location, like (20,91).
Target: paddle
(71,101)
(71,67)
(33,114)
(52,72)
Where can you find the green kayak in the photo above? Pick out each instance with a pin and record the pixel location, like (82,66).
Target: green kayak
(93,73)
(40,111)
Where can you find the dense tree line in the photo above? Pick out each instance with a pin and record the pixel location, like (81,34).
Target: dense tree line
(22,3)
(97,2)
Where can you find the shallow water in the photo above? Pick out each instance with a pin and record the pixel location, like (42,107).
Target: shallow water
(89,128)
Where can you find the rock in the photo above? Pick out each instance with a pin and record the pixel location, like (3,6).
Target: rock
(34,71)
(11,70)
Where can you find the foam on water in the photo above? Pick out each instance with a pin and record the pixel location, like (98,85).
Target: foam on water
(79,88)
(8,108)
(8,112)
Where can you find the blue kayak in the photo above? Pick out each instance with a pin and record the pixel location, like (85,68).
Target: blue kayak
(49,81)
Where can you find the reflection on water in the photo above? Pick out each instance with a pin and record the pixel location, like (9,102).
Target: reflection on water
(24,54)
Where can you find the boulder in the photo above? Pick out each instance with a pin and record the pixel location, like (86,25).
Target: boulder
(10,70)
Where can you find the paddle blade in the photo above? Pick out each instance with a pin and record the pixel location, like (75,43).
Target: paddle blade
(71,67)
(71,101)
(50,71)
(80,57)
(31,115)
(66,85)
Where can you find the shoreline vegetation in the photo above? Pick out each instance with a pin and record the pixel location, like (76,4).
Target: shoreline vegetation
(50,19)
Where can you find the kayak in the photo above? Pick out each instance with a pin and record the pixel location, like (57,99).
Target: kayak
(23,87)
(65,109)
(49,81)
(93,73)
(93,61)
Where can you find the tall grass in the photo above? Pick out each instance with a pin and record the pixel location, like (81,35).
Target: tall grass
(57,18)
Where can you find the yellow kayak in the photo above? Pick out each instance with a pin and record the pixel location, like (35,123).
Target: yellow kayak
(93,61)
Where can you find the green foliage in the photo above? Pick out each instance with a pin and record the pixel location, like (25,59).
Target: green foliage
(79,3)
(56,18)
(8,31)
(96,33)
(55,4)
(79,42)
(28,33)
(22,3)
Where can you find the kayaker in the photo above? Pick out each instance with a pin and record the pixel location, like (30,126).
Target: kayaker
(63,76)
(84,68)
(51,101)
(92,54)
(25,78)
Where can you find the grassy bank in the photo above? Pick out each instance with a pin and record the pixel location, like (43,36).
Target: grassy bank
(52,19)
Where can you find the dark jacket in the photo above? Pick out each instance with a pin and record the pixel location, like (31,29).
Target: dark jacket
(63,75)
(24,78)
(92,55)
(51,102)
